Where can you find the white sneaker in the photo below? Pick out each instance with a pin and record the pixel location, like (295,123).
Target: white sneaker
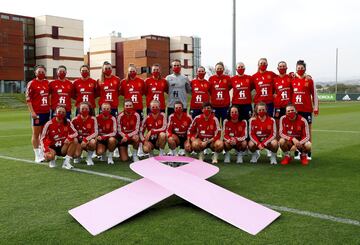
(181,152)
(140,151)
(215,158)
(116,153)
(297,155)
(89,161)
(93,154)
(77,160)
(170,153)
(129,151)
(239,158)
(67,164)
(268,153)
(201,156)
(52,164)
(254,157)
(135,158)
(193,153)
(227,157)
(207,151)
(110,160)
(161,152)
(273,158)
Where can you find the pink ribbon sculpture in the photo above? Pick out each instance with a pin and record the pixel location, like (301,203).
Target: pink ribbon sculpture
(161,181)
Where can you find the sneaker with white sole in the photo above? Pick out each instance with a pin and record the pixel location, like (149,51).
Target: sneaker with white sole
(52,164)
(227,157)
(181,152)
(135,158)
(215,158)
(201,156)
(254,157)
(170,153)
(297,155)
(116,153)
(268,153)
(207,151)
(77,160)
(110,160)
(67,164)
(89,161)
(273,158)
(239,158)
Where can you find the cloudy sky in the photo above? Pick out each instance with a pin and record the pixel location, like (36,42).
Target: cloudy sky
(276,29)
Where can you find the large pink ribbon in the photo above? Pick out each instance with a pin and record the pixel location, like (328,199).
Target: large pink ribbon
(161,181)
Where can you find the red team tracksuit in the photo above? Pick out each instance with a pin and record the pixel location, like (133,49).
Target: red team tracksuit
(37,93)
(61,93)
(87,129)
(155,125)
(242,87)
(205,130)
(236,130)
(109,92)
(54,135)
(106,126)
(133,90)
(219,92)
(179,126)
(85,91)
(298,129)
(264,88)
(262,132)
(155,90)
(200,94)
(128,125)
(282,86)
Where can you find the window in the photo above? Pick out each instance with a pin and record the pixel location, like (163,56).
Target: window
(54,73)
(185,48)
(5,17)
(55,32)
(186,63)
(56,53)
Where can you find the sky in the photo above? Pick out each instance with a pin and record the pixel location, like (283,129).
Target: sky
(276,29)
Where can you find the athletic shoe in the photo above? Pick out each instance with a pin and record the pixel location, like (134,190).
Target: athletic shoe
(268,153)
(273,158)
(297,155)
(215,158)
(304,160)
(103,157)
(170,153)
(227,157)
(181,152)
(110,160)
(67,164)
(239,158)
(135,158)
(286,160)
(254,157)
(89,161)
(116,153)
(207,151)
(309,156)
(77,160)
(201,156)
(52,164)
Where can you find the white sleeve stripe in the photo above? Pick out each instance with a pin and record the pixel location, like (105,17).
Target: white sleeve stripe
(273,135)
(95,130)
(251,138)
(136,131)
(281,133)
(75,134)
(307,133)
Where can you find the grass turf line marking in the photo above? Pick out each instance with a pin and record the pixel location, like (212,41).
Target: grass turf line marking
(335,131)
(14,135)
(278,208)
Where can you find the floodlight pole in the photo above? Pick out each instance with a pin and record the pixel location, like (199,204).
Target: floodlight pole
(234,39)
(336,72)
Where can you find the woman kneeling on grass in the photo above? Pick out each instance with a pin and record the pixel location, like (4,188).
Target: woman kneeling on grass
(59,138)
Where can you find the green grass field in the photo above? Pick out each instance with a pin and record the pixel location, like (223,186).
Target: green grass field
(34,199)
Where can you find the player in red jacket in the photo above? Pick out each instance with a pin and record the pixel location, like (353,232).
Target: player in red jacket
(59,138)
(37,99)
(282,87)
(200,88)
(295,135)
(107,129)
(262,131)
(264,86)
(205,132)
(85,89)
(87,129)
(133,88)
(155,88)
(235,133)
(61,92)
(128,123)
(154,125)
(242,86)
(108,88)
(220,85)
(304,95)
(176,132)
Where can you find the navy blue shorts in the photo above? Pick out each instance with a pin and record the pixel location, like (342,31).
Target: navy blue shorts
(221,113)
(57,150)
(270,109)
(68,114)
(245,111)
(279,112)
(41,120)
(195,112)
(307,116)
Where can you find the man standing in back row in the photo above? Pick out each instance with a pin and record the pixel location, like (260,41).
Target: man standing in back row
(179,87)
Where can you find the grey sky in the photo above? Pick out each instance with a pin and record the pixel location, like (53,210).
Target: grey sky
(278,30)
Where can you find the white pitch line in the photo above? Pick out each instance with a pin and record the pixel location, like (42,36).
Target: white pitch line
(14,135)
(278,208)
(335,131)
